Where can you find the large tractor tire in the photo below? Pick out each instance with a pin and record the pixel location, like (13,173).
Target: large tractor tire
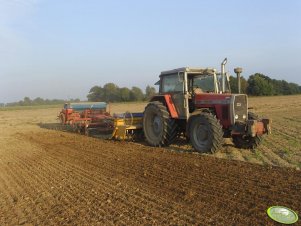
(247,142)
(159,129)
(205,133)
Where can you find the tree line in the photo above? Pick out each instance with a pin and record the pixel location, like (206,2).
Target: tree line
(110,92)
(256,85)
(39,101)
(262,85)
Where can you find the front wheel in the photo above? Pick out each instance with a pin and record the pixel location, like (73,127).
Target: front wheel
(205,133)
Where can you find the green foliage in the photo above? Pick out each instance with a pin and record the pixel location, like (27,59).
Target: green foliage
(282,87)
(39,101)
(136,94)
(96,93)
(243,84)
(261,85)
(112,93)
(125,94)
(149,92)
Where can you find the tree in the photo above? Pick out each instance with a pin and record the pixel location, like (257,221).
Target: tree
(38,101)
(96,93)
(234,87)
(27,101)
(294,88)
(136,94)
(260,85)
(111,92)
(124,94)
(149,92)
(277,85)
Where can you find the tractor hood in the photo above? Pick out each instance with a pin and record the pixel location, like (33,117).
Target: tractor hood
(229,108)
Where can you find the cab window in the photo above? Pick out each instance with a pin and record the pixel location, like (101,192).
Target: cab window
(204,82)
(172,83)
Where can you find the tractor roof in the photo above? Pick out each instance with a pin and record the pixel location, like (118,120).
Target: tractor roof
(190,70)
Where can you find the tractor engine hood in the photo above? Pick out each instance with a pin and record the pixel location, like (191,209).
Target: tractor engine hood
(212,99)
(229,108)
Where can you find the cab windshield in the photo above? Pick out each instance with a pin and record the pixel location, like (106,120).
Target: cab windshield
(202,83)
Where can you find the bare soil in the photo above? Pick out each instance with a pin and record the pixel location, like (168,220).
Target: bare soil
(52,177)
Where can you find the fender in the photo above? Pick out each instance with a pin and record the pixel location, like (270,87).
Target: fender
(169,103)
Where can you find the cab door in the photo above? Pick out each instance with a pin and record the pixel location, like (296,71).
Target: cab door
(174,84)
(178,97)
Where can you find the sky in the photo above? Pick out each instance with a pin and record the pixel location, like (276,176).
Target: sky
(62,48)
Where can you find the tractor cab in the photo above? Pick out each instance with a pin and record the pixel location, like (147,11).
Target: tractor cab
(185,84)
(188,80)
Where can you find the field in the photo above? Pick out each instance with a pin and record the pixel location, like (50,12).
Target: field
(51,177)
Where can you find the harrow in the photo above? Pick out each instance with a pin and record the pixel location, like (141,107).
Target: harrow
(93,119)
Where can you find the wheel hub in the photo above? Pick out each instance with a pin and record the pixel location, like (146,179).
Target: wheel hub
(201,134)
(157,124)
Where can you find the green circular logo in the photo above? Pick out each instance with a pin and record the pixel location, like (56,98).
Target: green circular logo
(282,214)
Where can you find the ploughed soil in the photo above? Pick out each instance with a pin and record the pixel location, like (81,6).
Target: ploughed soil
(54,177)
(60,178)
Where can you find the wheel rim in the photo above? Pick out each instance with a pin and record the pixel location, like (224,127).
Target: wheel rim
(201,135)
(153,125)
(157,125)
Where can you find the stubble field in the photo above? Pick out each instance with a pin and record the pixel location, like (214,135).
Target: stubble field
(50,177)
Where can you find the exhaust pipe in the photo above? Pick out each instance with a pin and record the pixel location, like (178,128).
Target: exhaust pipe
(223,74)
(238,71)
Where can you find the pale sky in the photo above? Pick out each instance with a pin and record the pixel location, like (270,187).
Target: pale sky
(61,48)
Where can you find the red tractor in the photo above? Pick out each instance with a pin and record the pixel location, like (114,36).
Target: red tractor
(198,103)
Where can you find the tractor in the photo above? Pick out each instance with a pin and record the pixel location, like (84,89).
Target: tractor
(197,102)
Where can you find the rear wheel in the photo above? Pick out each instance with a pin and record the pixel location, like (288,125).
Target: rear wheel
(159,129)
(205,133)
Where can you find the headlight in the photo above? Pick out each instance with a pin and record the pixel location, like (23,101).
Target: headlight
(236,116)
(244,116)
